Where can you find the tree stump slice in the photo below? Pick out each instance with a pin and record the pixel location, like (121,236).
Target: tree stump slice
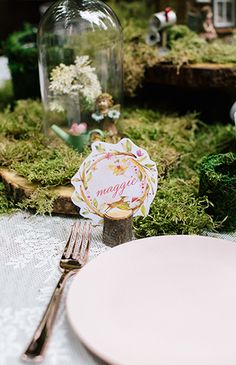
(117,228)
(20,189)
(202,75)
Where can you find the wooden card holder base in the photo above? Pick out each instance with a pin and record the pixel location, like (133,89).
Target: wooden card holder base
(117,228)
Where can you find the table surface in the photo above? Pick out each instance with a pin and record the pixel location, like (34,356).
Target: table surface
(31,248)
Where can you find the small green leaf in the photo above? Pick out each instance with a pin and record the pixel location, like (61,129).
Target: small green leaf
(140,175)
(89,176)
(100,148)
(123,206)
(78,197)
(143,211)
(87,164)
(142,159)
(95,203)
(128,145)
(149,166)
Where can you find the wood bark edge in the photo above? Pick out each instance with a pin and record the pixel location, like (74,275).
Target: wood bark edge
(20,189)
(195,75)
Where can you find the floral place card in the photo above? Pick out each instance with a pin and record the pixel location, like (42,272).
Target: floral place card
(115,180)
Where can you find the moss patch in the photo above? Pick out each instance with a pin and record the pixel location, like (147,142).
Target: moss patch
(6,203)
(186,47)
(6,94)
(218,182)
(176,144)
(137,54)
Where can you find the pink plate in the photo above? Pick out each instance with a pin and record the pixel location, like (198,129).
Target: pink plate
(167,300)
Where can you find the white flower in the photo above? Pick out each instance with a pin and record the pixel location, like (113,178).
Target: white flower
(114,114)
(56,106)
(98,117)
(77,79)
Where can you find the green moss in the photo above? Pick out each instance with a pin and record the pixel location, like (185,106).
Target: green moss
(52,166)
(186,47)
(138,55)
(176,144)
(137,58)
(176,210)
(6,203)
(25,122)
(40,201)
(218,182)
(6,94)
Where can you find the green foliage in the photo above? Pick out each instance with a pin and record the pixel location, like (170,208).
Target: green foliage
(6,94)
(41,200)
(6,203)
(218,181)
(21,46)
(177,32)
(22,53)
(134,14)
(138,55)
(186,47)
(176,210)
(24,122)
(176,144)
(51,166)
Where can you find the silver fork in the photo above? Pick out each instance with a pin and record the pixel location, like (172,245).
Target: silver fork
(74,257)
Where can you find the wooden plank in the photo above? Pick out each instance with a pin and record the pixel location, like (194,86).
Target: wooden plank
(204,75)
(20,188)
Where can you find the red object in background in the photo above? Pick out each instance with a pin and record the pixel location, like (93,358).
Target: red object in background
(167,10)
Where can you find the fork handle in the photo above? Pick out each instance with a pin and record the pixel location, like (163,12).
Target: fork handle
(36,348)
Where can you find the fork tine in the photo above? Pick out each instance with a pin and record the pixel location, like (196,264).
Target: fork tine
(76,238)
(86,253)
(75,246)
(74,229)
(85,238)
(80,244)
(88,242)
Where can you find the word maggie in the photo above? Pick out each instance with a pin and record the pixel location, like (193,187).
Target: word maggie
(117,189)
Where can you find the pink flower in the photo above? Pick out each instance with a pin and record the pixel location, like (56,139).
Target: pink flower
(77,129)
(108,155)
(139,153)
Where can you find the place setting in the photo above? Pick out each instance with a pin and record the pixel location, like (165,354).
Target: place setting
(157,299)
(132,179)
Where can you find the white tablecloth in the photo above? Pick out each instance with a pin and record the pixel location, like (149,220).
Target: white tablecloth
(31,248)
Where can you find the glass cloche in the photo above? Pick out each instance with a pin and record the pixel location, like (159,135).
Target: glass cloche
(80,66)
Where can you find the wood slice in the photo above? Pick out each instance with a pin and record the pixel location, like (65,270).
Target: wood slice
(204,75)
(20,188)
(117,228)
